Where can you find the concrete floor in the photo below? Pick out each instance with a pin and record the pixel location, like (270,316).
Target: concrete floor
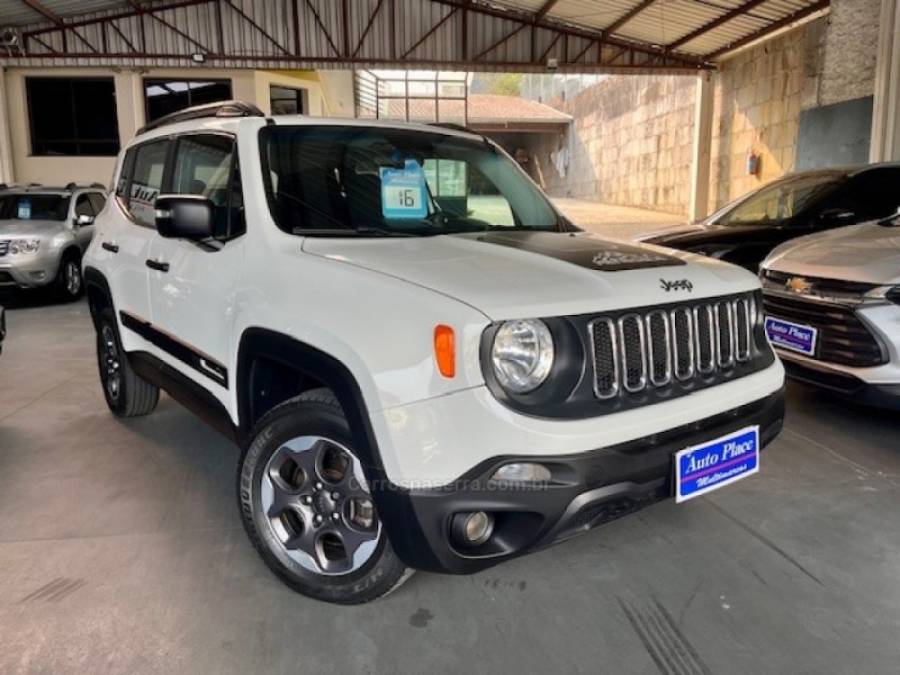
(612,220)
(121,552)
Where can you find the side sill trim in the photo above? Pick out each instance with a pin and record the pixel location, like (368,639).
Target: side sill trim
(189,394)
(202,363)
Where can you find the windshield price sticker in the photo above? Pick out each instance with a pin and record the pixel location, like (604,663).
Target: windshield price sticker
(403,192)
(24,212)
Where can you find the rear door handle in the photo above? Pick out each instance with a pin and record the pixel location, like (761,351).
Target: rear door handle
(158,266)
(112,248)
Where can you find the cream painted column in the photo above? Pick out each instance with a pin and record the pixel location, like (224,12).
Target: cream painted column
(7,170)
(700,161)
(885,144)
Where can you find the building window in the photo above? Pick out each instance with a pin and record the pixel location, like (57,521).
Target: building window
(288,101)
(167,96)
(72,116)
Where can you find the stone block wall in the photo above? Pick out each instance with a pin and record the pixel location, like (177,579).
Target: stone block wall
(757,100)
(631,139)
(630,143)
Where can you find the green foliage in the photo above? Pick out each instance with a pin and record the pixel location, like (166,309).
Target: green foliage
(507,84)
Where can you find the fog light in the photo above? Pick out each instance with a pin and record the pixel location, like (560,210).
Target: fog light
(38,275)
(472,529)
(523,472)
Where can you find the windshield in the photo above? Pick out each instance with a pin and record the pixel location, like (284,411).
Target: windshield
(33,206)
(779,201)
(337,180)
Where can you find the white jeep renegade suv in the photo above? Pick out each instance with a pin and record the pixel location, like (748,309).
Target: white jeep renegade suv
(426,365)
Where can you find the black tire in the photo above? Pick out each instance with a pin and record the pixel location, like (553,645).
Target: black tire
(126,393)
(314,414)
(69,284)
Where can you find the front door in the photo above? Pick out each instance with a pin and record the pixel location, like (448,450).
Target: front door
(192,284)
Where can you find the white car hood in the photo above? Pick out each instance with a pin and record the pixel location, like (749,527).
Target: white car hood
(535,274)
(867,252)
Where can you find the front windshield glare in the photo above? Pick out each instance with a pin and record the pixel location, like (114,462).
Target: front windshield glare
(779,201)
(33,207)
(324,179)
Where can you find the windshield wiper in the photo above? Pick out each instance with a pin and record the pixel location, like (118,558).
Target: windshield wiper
(348,231)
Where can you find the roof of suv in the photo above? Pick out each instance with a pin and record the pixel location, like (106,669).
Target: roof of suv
(231,115)
(45,189)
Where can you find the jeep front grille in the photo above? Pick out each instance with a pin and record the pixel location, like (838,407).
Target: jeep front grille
(657,348)
(4,248)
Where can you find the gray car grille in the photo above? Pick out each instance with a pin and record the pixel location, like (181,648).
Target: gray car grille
(656,348)
(4,248)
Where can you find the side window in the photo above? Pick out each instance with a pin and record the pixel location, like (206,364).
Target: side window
(146,181)
(876,192)
(125,176)
(206,164)
(98,201)
(83,206)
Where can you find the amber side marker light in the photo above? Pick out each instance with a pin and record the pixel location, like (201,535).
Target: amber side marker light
(445,350)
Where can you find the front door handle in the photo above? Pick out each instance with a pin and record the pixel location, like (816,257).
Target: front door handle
(112,248)
(158,266)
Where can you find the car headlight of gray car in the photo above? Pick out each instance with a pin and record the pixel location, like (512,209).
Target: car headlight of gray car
(17,246)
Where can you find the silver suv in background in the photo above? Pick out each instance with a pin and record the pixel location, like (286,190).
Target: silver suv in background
(44,231)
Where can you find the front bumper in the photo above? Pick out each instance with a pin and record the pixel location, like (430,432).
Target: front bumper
(31,271)
(588,489)
(843,382)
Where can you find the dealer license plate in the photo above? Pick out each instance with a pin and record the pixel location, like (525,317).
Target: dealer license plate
(714,464)
(796,337)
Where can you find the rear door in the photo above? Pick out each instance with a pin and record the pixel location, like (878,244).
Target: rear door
(124,234)
(192,284)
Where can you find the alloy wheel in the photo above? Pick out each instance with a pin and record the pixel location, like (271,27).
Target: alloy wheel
(73,278)
(318,506)
(110,362)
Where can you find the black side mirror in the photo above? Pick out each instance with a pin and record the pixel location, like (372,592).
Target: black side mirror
(838,216)
(184,217)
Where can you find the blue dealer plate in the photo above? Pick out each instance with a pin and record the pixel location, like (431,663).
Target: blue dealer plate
(709,466)
(796,337)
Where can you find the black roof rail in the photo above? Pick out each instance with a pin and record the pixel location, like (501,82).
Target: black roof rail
(217,109)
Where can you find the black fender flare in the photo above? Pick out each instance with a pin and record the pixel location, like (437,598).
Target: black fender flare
(392,501)
(95,281)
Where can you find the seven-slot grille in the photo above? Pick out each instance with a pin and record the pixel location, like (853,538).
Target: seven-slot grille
(4,247)
(659,347)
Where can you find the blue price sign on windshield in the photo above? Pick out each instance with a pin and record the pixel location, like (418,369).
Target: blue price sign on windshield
(24,211)
(403,192)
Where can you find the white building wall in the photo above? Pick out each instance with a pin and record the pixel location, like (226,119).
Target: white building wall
(327,95)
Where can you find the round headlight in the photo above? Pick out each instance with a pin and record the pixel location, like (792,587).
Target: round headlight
(522,355)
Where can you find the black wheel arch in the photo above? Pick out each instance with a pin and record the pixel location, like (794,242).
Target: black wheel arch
(98,293)
(313,363)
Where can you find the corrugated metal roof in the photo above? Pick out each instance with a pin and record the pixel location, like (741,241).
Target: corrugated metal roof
(665,21)
(481,35)
(19,13)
